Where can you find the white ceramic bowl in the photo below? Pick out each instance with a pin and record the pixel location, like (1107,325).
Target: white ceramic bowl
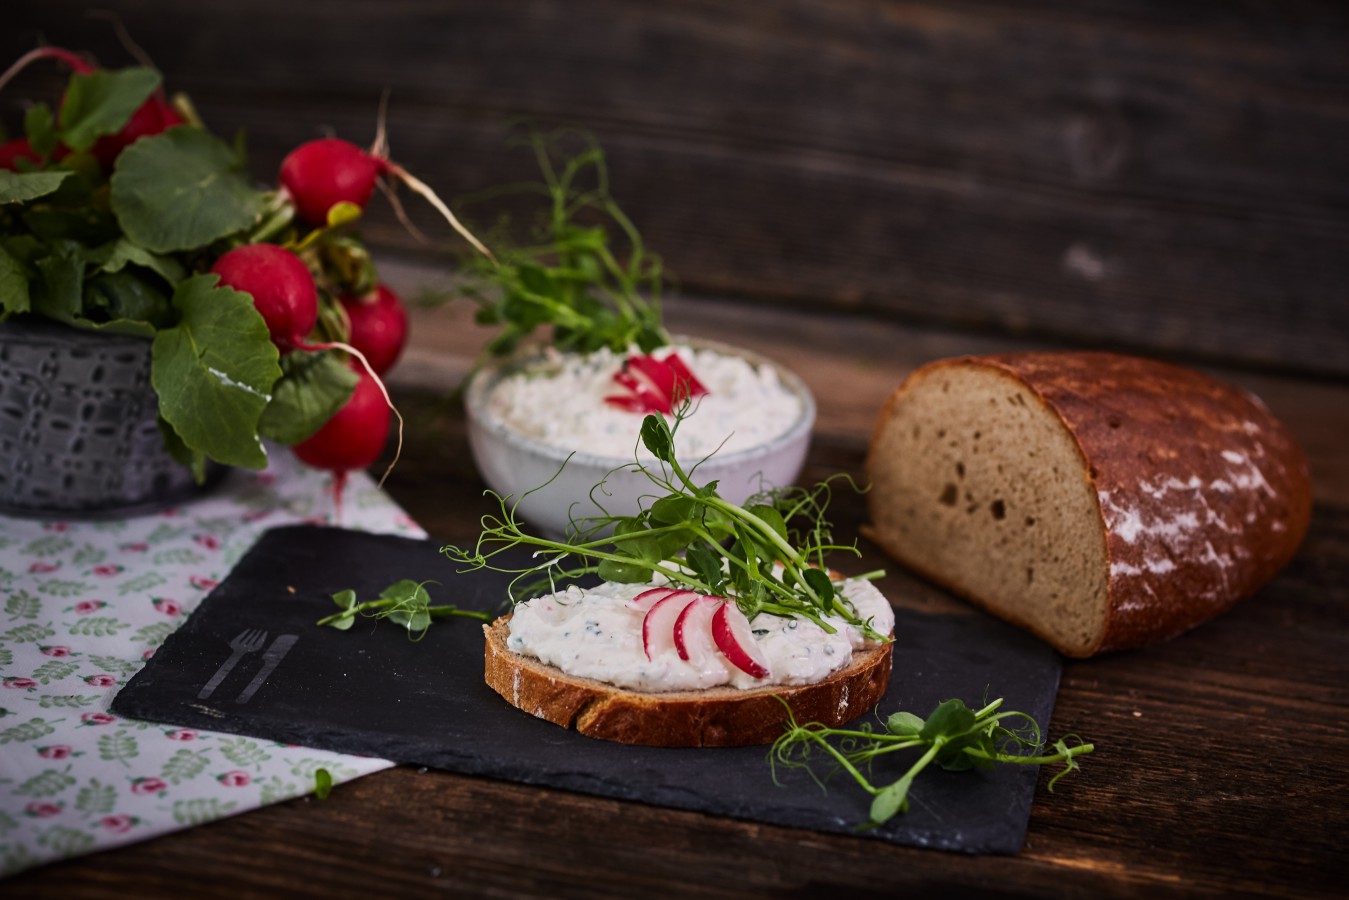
(513,464)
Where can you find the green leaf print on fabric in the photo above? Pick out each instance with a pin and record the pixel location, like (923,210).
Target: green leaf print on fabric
(116,665)
(64,587)
(96,798)
(68,701)
(30,633)
(22,605)
(184,765)
(48,545)
(97,626)
(153,635)
(141,583)
(65,841)
(119,746)
(180,556)
(200,810)
(48,783)
(243,752)
(28,731)
(55,670)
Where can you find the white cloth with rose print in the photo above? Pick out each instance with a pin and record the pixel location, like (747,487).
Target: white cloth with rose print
(82,605)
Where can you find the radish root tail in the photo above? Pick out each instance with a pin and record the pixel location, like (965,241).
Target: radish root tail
(379,383)
(420,187)
(76,62)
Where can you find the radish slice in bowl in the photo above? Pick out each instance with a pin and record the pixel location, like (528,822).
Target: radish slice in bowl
(735,639)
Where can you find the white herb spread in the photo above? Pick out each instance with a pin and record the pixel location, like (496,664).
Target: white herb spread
(560,402)
(592,633)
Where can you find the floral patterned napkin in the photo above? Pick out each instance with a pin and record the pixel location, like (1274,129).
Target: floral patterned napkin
(82,605)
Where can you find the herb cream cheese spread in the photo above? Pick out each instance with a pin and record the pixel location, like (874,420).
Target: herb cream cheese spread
(559,401)
(595,633)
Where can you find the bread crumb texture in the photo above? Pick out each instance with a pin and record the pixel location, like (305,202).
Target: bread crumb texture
(1101,501)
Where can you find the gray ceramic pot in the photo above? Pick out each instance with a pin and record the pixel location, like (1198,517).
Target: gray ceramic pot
(78,424)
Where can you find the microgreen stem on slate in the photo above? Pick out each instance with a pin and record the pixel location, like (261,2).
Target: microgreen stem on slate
(404,603)
(768,554)
(953,736)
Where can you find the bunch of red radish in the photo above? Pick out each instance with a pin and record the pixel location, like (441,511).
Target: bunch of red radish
(316,177)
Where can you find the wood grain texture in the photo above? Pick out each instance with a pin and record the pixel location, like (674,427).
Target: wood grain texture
(1124,174)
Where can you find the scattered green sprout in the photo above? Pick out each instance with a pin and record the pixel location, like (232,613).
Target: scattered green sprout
(954,737)
(323,783)
(404,603)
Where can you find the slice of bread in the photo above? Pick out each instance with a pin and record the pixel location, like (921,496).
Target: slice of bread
(719,717)
(1101,501)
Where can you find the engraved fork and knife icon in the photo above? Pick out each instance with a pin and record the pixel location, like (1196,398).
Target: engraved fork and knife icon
(245,642)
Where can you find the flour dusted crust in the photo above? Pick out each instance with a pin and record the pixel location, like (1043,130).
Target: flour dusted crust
(720,717)
(1102,501)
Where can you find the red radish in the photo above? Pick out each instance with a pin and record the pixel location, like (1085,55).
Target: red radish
(285,296)
(655,385)
(646,599)
(13,151)
(153,116)
(693,630)
(352,439)
(379,326)
(328,171)
(281,285)
(322,173)
(735,639)
(658,624)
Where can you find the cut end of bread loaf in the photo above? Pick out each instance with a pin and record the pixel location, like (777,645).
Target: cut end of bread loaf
(1101,501)
(985,489)
(720,717)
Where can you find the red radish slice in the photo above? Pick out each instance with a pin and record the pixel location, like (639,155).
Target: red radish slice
(734,637)
(655,385)
(647,599)
(658,624)
(693,629)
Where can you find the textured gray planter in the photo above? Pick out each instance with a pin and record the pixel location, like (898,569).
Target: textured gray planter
(78,424)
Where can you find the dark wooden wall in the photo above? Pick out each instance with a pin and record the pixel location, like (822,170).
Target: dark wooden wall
(1171,177)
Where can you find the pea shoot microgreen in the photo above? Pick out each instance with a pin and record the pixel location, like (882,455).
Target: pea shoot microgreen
(768,554)
(571,278)
(404,603)
(954,737)
(323,783)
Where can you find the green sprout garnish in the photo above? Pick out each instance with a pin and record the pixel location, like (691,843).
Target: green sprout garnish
(769,555)
(953,736)
(404,603)
(572,279)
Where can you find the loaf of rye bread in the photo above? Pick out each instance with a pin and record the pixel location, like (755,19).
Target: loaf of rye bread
(1101,501)
(718,717)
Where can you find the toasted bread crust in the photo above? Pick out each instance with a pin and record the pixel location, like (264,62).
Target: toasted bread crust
(720,717)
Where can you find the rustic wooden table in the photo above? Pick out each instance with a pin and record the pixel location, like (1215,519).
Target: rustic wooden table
(1222,761)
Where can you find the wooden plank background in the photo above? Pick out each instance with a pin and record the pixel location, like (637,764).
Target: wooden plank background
(1161,177)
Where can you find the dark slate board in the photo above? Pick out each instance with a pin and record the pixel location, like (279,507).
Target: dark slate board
(370,691)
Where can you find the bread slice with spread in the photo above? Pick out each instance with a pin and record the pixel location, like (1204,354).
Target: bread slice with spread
(610,664)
